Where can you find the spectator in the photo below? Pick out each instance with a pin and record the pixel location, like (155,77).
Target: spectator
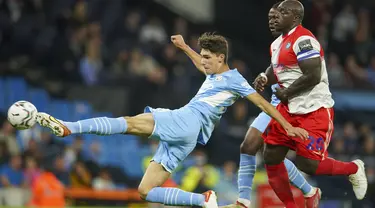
(345,24)
(344,27)
(226,188)
(119,66)
(7,134)
(336,74)
(61,172)
(12,181)
(357,73)
(32,150)
(91,65)
(77,147)
(201,177)
(4,153)
(103,181)
(131,27)
(80,177)
(362,36)
(49,149)
(47,191)
(95,151)
(153,32)
(32,171)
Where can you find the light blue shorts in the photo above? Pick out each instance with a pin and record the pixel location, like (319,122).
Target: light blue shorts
(177,130)
(261,122)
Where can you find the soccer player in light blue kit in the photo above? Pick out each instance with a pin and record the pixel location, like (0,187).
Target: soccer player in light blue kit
(179,130)
(253,142)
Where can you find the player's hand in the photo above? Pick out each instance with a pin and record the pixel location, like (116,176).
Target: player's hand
(281,93)
(178,41)
(297,132)
(259,83)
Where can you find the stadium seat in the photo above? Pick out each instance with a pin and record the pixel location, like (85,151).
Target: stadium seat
(83,110)
(39,98)
(132,163)
(103,114)
(61,109)
(16,89)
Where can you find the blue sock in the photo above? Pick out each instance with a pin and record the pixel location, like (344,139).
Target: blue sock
(99,126)
(296,178)
(245,175)
(175,196)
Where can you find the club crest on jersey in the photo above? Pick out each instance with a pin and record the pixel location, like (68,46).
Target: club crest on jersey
(288,45)
(218,78)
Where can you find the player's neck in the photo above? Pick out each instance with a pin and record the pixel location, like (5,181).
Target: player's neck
(286,32)
(223,69)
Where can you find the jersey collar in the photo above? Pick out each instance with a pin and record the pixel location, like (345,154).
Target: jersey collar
(292,31)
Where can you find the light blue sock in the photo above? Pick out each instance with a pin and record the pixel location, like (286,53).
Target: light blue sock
(245,175)
(175,196)
(99,126)
(296,178)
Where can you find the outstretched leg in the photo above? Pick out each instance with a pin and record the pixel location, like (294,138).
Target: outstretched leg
(156,174)
(355,170)
(140,125)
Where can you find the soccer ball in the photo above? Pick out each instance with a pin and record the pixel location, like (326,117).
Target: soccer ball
(22,115)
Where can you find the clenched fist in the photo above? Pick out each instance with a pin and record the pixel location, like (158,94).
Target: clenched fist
(178,41)
(259,83)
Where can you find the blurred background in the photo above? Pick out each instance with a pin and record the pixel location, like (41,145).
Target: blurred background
(83,58)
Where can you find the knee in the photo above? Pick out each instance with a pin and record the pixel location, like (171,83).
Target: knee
(141,125)
(272,157)
(143,191)
(252,143)
(268,158)
(306,165)
(248,148)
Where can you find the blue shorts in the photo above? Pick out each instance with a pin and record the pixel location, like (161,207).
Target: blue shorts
(261,122)
(177,130)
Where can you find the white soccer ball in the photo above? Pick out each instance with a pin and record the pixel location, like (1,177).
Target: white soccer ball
(22,115)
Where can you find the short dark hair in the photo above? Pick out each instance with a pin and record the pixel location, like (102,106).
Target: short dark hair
(216,44)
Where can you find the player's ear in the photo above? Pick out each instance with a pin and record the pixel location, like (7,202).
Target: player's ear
(221,58)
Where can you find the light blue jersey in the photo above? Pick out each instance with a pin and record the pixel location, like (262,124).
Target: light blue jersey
(274,100)
(218,92)
(179,130)
(261,122)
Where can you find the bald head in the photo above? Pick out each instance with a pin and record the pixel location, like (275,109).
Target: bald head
(295,7)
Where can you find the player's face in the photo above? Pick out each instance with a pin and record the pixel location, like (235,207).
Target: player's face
(286,19)
(211,62)
(273,18)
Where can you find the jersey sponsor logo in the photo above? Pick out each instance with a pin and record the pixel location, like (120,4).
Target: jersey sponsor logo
(305,45)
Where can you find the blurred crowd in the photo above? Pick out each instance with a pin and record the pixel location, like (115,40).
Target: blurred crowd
(123,43)
(346,31)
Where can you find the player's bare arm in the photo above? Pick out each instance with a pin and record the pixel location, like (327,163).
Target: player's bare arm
(311,69)
(179,42)
(265,106)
